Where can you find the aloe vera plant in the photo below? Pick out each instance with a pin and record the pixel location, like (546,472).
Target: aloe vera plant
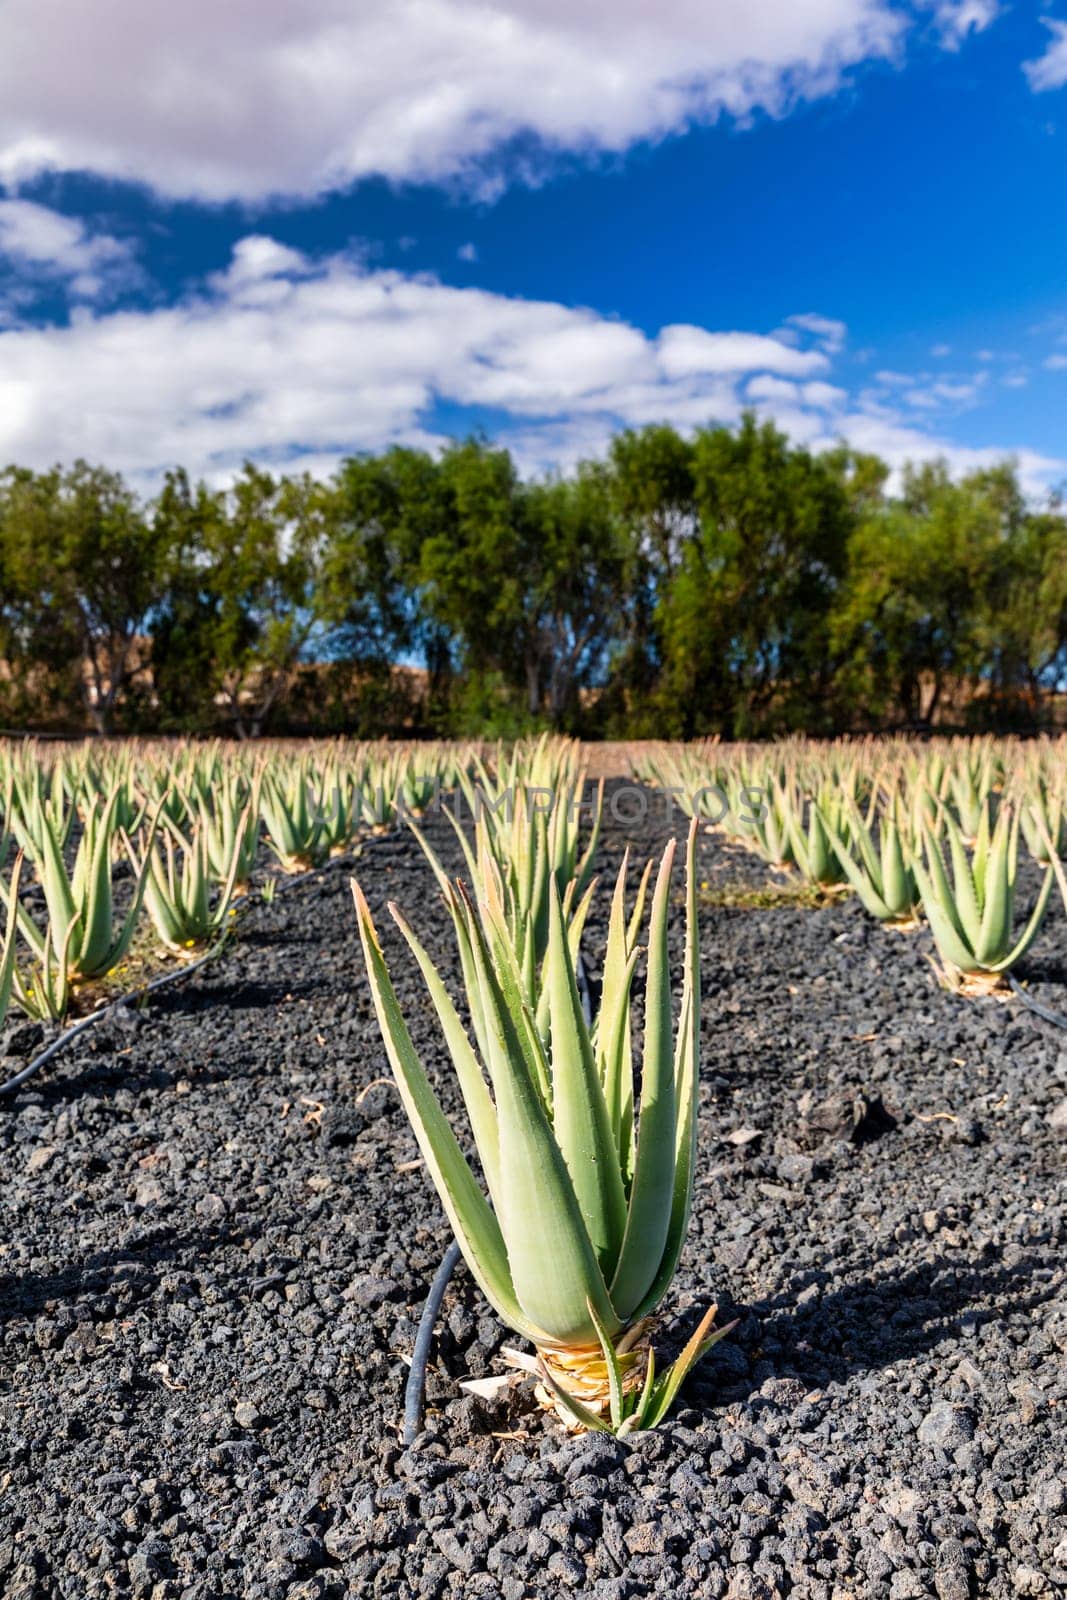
(880,874)
(42,992)
(374,803)
(33,805)
(578,1237)
(415,787)
(967,784)
(1043,819)
(178,888)
(813,852)
(82,930)
(971,914)
(230,826)
(765,827)
(294,824)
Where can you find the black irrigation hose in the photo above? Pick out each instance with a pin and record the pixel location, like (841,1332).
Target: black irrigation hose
(81,1027)
(1057,1018)
(415,1388)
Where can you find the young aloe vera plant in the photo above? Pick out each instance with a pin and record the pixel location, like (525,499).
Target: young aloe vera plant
(178,889)
(43,992)
(82,933)
(581,1232)
(1043,816)
(762,825)
(230,823)
(881,875)
(515,867)
(31,804)
(972,915)
(337,806)
(813,853)
(294,824)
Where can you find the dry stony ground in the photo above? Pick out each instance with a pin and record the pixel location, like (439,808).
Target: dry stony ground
(215,1246)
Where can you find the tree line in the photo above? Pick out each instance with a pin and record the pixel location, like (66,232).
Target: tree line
(726,582)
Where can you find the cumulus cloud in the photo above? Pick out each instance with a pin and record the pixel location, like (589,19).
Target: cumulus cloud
(1050,70)
(258,98)
(282,357)
(47,244)
(294,361)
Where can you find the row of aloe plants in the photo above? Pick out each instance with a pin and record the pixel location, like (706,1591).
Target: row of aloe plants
(108,849)
(917,831)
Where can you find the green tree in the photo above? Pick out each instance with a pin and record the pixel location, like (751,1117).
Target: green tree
(528,578)
(40,651)
(923,577)
(745,615)
(392,503)
(1023,625)
(654,495)
(79,540)
(577,561)
(248,595)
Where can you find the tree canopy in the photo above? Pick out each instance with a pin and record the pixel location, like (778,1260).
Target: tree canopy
(726,581)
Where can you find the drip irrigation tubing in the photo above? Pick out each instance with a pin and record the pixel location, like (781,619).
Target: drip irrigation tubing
(1057,1018)
(415,1388)
(72,1033)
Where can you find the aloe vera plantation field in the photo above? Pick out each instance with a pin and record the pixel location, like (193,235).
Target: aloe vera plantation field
(739,1074)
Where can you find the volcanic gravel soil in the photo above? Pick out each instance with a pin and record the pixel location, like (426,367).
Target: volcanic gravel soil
(216,1242)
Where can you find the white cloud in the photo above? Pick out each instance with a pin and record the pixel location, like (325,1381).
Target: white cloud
(280,357)
(925,391)
(1050,70)
(774,389)
(686,351)
(467,252)
(258,98)
(44,242)
(940,351)
(296,362)
(259,260)
(823,396)
(921,399)
(898,442)
(830,333)
(1056,363)
(958,18)
(959,393)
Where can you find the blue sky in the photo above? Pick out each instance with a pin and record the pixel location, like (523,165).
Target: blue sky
(287,233)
